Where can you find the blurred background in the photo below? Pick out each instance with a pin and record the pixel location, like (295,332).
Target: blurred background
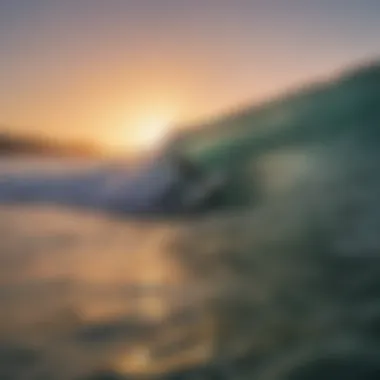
(189,189)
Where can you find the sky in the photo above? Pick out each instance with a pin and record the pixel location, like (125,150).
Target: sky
(120,72)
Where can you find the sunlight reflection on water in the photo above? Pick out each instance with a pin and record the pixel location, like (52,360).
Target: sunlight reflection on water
(107,292)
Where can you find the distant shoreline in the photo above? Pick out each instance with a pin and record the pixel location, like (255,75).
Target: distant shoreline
(12,144)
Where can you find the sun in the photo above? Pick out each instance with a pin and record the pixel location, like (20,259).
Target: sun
(148,132)
(151,132)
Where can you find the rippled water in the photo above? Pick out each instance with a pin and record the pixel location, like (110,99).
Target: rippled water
(81,293)
(285,290)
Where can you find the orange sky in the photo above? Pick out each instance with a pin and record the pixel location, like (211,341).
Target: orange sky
(118,72)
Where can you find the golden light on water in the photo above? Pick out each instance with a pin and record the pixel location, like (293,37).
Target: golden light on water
(176,347)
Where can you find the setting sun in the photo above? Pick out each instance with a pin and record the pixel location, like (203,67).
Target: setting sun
(151,132)
(147,132)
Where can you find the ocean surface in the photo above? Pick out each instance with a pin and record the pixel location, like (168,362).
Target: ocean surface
(285,290)
(85,290)
(94,184)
